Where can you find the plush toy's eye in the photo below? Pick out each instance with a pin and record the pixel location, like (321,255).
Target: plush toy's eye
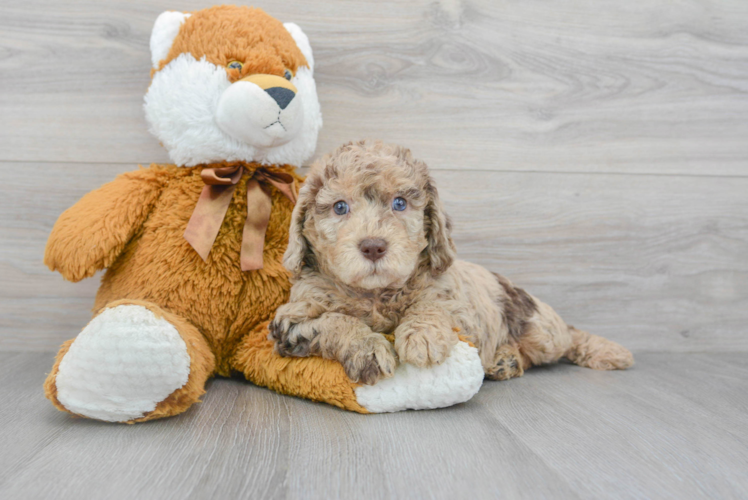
(340,207)
(288,75)
(234,65)
(399,204)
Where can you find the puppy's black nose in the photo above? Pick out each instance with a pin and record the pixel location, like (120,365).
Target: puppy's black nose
(373,248)
(281,95)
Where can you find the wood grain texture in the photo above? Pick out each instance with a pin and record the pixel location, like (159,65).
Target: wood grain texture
(606,86)
(672,427)
(654,262)
(39,308)
(594,152)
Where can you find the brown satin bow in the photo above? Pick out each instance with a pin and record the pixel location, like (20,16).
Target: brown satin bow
(214,202)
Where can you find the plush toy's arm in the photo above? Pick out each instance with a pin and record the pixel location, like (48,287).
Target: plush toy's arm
(454,381)
(91,234)
(366,356)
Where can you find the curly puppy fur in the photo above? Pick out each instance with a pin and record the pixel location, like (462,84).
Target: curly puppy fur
(343,301)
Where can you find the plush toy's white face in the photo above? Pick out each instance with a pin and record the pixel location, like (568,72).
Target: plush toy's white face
(222,108)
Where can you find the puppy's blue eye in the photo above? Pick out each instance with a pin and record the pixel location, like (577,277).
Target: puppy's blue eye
(399,204)
(288,75)
(340,208)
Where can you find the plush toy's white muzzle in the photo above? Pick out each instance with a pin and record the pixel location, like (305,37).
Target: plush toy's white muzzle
(261,110)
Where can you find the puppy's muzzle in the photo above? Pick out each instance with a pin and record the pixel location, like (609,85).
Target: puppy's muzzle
(373,248)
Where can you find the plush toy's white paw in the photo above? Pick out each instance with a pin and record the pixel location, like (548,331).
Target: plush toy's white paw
(122,365)
(411,388)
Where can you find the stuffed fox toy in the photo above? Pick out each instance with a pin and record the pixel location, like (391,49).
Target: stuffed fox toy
(193,250)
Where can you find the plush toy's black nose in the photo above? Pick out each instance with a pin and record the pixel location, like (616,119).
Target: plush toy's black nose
(373,248)
(282,96)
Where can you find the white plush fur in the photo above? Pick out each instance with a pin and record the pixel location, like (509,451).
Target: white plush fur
(302,42)
(165,30)
(122,364)
(411,388)
(182,107)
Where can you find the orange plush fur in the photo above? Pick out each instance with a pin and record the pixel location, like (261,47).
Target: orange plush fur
(225,33)
(220,312)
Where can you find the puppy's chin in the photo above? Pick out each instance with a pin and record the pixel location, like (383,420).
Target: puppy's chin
(383,274)
(378,280)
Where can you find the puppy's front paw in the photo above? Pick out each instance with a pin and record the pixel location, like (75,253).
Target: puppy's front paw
(291,331)
(292,343)
(291,339)
(372,360)
(423,344)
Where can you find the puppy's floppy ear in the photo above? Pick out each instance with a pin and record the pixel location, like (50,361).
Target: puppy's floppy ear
(298,250)
(441,249)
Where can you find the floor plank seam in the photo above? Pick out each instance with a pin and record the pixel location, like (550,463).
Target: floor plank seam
(438,169)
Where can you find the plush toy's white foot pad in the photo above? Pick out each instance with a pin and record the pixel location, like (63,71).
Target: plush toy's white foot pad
(455,381)
(122,365)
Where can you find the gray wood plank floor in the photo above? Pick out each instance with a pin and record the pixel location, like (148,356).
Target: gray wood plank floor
(672,427)
(654,262)
(594,152)
(637,86)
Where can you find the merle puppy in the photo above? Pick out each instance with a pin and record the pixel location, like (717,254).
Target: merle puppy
(371,254)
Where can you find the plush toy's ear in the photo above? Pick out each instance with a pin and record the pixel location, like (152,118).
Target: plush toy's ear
(302,41)
(164,32)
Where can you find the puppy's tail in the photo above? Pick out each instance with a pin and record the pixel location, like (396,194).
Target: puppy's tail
(597,352)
